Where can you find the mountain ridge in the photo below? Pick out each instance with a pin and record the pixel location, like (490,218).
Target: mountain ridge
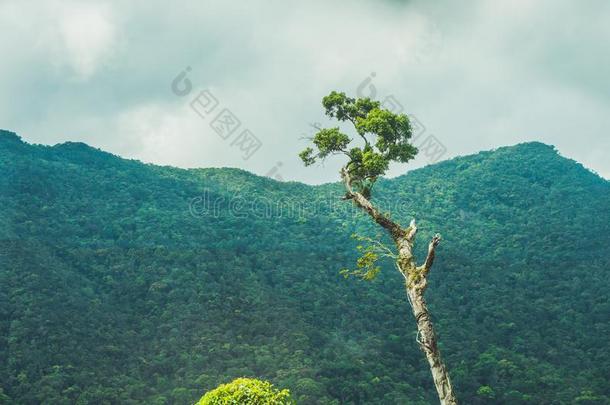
(72,145)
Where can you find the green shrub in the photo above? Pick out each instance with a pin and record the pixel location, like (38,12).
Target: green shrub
(246,391)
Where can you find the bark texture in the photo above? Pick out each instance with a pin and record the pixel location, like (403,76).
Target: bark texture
(416,283)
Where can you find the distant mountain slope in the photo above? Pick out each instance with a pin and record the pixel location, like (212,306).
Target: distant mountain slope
(122,282)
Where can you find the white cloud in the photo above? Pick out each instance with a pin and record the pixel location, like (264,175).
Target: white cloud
(87,35)
(478,74)
(166,134)
(75,38)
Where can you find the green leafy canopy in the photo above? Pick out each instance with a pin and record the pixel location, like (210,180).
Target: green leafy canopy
(384,138)
(246,391)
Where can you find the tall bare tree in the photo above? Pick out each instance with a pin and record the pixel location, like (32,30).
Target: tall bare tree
(383,138)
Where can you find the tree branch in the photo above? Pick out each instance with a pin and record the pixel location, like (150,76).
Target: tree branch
(378,247)
(431,253)
(412,231)
(353,121)
(392,227)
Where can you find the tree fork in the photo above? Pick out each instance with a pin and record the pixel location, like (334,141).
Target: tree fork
(416,283)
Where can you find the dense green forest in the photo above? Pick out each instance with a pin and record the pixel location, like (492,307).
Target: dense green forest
(122,282)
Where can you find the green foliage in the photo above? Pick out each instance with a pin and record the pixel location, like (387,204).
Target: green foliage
(4,399)
(307,156)
(111,292)
(330,140)
(385,135)
(371,250)
(486,391)
(247,391)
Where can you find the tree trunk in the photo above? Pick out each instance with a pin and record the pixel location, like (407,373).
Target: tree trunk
(429,345)
(416,282)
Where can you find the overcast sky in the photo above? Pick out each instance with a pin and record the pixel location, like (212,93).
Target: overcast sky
(477,75)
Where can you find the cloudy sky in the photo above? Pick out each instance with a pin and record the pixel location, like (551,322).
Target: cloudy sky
(477,75)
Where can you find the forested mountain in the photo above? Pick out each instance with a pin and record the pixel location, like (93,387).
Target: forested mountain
(122,282)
